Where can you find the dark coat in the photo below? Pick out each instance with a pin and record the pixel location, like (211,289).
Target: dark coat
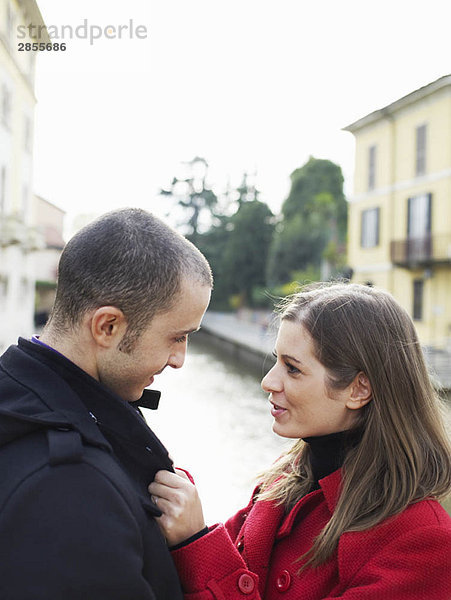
(255,555)
(76,520)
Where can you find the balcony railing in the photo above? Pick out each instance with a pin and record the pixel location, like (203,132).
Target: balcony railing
(419,252)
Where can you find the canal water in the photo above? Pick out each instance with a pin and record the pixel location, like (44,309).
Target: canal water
(215,420)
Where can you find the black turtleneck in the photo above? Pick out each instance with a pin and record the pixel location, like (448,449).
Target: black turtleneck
(329,451)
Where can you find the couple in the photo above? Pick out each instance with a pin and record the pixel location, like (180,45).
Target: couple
(349,512)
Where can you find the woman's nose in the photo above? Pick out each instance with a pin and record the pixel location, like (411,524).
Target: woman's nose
(271,382)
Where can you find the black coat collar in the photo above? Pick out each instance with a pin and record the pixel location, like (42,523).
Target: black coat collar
(55,394)
(101,417)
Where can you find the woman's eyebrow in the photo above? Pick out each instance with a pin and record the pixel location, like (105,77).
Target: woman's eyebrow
(287,357)
(291,358)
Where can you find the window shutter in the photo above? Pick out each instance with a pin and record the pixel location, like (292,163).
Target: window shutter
(378,212)
(409,210)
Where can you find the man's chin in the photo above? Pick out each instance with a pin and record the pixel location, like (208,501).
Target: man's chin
(131,396)
(134,398)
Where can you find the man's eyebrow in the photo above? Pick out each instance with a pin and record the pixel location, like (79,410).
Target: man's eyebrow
(186,331)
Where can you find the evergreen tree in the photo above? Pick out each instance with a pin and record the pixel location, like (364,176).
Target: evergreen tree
(192,193)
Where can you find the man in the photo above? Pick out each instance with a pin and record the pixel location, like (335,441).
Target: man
(76,456)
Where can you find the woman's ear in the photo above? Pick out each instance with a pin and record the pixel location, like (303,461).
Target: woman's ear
(360,392)
(108,326)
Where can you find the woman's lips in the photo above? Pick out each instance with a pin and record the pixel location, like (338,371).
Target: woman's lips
(276,410)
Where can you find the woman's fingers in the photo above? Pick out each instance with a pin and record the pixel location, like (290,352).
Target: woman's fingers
(184,474)
(160,490)
(179,502)
(168,478)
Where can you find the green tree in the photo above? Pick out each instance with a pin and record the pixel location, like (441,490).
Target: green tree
(193,194)
(246,251)
(313,223)
(212,244)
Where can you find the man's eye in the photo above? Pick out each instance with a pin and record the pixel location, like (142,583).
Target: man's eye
(181,339)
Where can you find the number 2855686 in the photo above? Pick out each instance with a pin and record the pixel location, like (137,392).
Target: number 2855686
(41,46)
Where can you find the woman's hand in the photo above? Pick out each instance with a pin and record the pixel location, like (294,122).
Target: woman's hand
(177,498)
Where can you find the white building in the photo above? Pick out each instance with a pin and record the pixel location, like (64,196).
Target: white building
(18,239)
(49,222)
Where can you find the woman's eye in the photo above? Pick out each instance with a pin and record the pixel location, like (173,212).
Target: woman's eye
(291,369)
(181,339)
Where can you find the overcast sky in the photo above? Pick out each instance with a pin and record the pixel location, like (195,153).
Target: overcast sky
(249,85)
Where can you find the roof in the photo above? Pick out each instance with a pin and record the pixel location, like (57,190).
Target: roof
(54,206)
(388,110)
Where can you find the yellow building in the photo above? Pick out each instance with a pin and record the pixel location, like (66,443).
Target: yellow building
(400,212)
(17,102)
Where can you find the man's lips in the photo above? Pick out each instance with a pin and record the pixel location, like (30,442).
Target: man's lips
(153,376)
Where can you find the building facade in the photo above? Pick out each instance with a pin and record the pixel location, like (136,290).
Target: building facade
(400,212)
(18,237)
(49,222)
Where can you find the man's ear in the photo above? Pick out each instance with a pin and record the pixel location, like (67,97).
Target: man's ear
(360,392)
(108,326)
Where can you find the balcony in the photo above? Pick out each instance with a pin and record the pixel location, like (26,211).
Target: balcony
(421,252)
(14,232)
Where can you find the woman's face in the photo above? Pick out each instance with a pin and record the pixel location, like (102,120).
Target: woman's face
(300,403)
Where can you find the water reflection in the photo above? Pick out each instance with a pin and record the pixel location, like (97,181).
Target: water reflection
(214,418)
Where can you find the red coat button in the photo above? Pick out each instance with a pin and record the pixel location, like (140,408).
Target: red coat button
(246,584)
(283,582)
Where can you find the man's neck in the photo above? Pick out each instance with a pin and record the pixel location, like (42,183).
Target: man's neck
(73,347)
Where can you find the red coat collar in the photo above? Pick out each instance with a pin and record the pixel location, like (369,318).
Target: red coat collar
(329,490)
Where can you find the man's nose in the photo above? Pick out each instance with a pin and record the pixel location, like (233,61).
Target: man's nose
(177,358)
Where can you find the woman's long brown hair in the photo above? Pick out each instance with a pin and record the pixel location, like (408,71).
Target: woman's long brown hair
(404,455)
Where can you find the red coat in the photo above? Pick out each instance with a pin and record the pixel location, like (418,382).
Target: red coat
(253,557)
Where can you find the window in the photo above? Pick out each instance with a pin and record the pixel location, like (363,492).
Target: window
(6,105)
(418,289)
(2,190)
(420,155)
(371,167)
(9,22)
(370,228)
(27,134)
(419,240)
(419,216)
(3,291)
(24,208)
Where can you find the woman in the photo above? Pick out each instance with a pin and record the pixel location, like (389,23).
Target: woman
(351,510)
